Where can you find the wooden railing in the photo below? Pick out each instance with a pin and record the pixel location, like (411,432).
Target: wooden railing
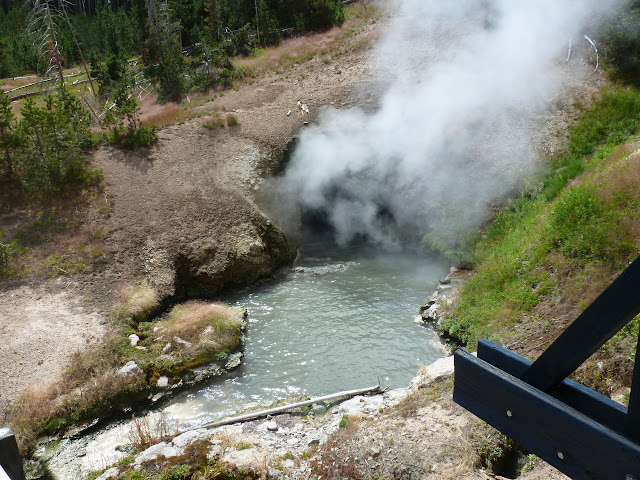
(580,432)
(10,460)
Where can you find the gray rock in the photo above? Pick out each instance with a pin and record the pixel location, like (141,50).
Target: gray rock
(185,439)
(161,450)
(425,306)
(134,339)
(234,361)
(215,450)
(250,459)
(111,474)
(249,252)
(272,426)
(181,342)
(131,368)
(208,331)
(163,382)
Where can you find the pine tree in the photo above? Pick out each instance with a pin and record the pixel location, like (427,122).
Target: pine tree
(165,53)
(9,138)
(54,137)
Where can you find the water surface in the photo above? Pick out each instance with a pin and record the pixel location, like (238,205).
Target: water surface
(328,326)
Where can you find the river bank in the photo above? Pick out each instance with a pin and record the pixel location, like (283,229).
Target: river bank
(291,348)
(181,213)
(413,432)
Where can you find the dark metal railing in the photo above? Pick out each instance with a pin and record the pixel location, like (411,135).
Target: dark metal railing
(10,460)
(580,432)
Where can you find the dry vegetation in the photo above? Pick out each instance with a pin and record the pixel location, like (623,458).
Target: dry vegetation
(90,387)
(425,436)
(190,319)
(138,302)
(210,330)
(325,45)
(163,115)
(147,431)
(197,332)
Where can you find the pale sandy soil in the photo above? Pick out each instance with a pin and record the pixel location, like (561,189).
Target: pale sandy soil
(39,327)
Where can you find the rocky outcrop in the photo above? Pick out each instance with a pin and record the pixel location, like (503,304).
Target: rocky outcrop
(208,264)
(433,311)
(195,373)
(249,252)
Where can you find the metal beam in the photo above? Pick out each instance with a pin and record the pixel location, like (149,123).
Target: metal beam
(608,313)
(593,404)
(10,459)
(567,439)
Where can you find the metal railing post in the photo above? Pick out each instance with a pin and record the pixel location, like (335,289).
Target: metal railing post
(10,459)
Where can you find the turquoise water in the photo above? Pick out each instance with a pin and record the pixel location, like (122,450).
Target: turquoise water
(328,326)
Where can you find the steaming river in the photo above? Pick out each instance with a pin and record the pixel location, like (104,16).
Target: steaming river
(327,327)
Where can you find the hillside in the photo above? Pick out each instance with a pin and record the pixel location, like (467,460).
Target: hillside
(182,205)
(181,220)
(549,253)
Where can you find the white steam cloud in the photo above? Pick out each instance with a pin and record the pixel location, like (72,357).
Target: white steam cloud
(467,81)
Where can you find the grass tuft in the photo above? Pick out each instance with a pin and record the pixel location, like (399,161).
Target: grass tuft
(232,120)
(140,302)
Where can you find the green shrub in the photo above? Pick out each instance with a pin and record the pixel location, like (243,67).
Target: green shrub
(319,14)
(53,139)
(622,47)
(140,137)
(8,253)
(121,123)
(610,121)
(344,421)
(606,124)
(241,41)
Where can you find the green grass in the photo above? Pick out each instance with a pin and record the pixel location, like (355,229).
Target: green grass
(232,120)
(344,421)
(581,220)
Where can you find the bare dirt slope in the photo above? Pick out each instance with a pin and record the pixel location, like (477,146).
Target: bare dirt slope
(195,183)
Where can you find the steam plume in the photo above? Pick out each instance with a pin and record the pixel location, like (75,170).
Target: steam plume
(467,81)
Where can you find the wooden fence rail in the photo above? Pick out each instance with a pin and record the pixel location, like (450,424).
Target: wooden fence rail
(580,432)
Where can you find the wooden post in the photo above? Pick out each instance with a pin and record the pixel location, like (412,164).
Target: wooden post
(608,313)
(10,459)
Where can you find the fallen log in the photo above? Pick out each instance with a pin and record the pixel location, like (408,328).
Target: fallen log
(274,411)
(40,92)
(39,82)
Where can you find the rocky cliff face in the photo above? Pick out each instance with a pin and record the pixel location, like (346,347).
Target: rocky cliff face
(249,252)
